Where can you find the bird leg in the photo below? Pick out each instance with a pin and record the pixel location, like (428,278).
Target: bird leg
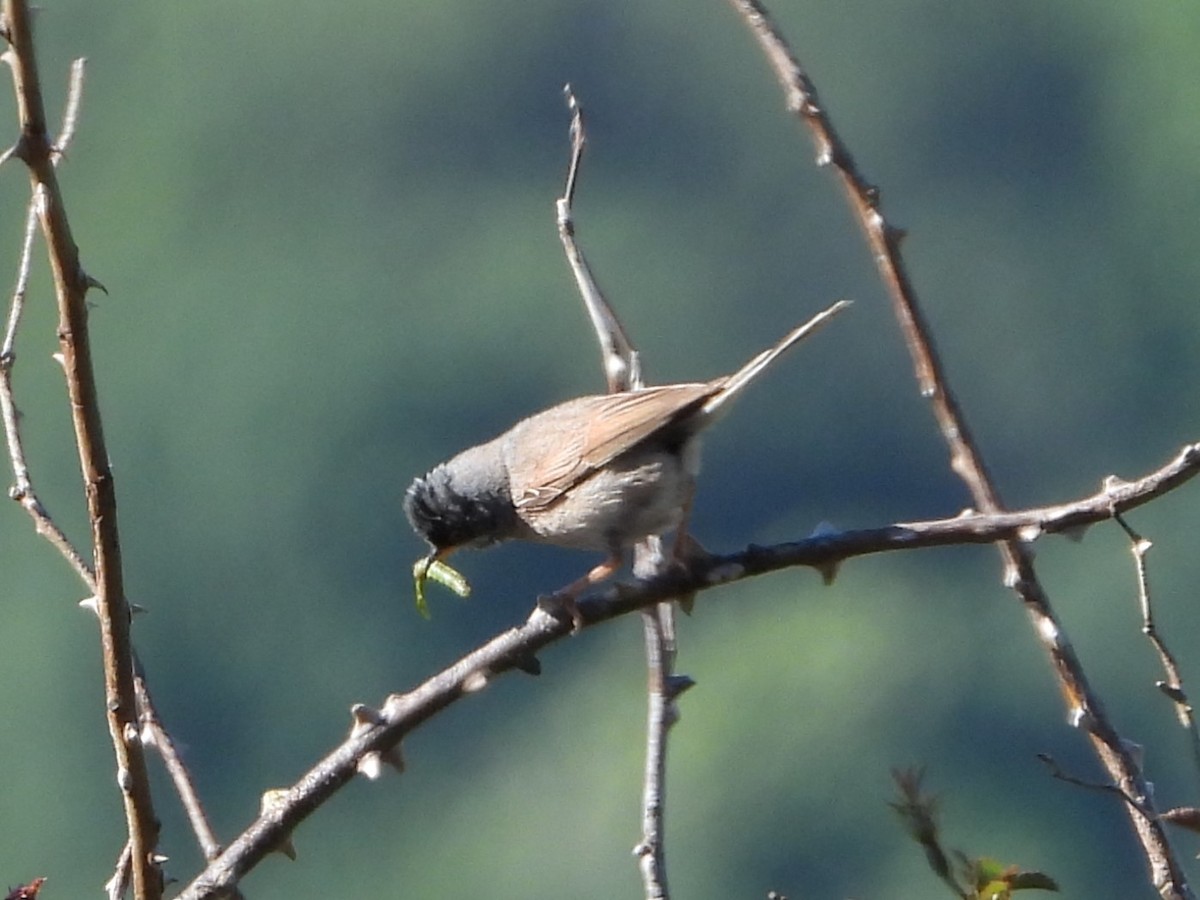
(566,596)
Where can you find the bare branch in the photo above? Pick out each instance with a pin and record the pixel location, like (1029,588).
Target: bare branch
(22,490)
(154,734)
(381,731)
(621,369)
(71,286)
(1084,707)
(1173,686)
(71,114)
(1057,772)
(662,712)
(116,886)
(17,306)
(134,723)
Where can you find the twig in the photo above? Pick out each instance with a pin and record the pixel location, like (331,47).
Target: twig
(1084,707)
(662,712)
(623,372)
(827,549)
(620,360)
(1173,686)
(17,306)
(116,886)
(650,851)
(376,732)
(71,285)
(402,714)
(22,490)
(71,114)
(154,734)
(1057,772)
(578,141)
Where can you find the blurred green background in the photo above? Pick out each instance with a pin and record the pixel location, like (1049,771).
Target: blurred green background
(327,234)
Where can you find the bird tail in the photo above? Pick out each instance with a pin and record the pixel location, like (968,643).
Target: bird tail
(747,373)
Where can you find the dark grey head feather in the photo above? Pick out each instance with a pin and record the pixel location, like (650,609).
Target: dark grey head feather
(463,502)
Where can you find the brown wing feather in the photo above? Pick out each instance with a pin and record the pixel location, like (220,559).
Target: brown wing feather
(584,434)
(590,432)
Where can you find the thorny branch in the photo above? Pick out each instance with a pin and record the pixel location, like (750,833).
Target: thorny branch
(154,734)
(1172,687)
(35,148)
(22,490)
(1084,707)
(377,733)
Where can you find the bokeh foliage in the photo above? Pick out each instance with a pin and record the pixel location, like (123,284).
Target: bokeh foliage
(327,233)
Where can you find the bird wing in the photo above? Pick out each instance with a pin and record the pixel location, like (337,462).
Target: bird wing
(590,432)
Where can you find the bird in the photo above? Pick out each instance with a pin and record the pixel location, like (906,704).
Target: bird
(597,473)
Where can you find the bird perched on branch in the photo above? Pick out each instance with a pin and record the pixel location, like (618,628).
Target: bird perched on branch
(594,473)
